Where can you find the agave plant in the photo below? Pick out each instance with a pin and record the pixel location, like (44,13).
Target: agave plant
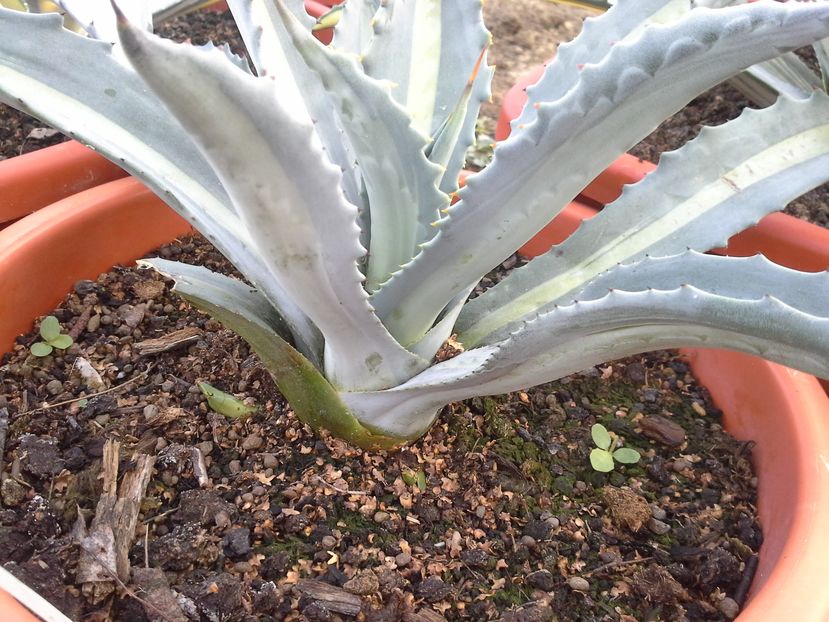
(325,175)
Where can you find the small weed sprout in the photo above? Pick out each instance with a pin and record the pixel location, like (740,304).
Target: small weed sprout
(602,458)
(225,403)
(52,338)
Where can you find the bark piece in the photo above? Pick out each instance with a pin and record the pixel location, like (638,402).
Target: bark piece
(177,339)
(331,598)
(662,430)
(104,554)
(4,430)
(160,604)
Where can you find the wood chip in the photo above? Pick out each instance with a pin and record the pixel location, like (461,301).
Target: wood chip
(662,430)
(331,598)
(178,339)
(4,430)
(159,602)
(104,558)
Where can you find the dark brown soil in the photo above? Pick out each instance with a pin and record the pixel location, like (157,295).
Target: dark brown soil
(495,510)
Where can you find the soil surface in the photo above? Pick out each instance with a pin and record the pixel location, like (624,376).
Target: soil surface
(496,514)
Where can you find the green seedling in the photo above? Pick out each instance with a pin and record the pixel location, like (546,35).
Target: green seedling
(602,458)
(224,403)
(52,338)
(415,478)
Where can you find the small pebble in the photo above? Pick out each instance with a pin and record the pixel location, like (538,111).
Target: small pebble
(480,511)
(363,584)
(258,491)
(247,497)
(528,541)
(234,466)
(106,320)
(729,608)
(402,560)
(54,387)
(222,519)
(167,386)
(381,516)
(658,513)
(252,442)
(578,583)
(150,412)
(328,542)
(205,447)
(243,567)
(680,465)
(658,527)
(269,461)
(93,323)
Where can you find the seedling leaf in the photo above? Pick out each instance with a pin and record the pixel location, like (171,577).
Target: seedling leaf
(626,455)
(40,349)
(49,328)
(61,342)
(224,403)
(601,460)
(600,436)
(421,480)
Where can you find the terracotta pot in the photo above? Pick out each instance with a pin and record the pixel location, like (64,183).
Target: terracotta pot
(85,234)
(33,180)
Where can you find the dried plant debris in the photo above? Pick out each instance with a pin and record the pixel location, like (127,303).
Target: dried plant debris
(496,514)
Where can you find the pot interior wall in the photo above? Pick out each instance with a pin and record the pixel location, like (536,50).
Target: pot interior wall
(785,413)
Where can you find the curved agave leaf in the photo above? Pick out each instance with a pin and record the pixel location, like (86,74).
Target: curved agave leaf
(457,133)
(742,171)
(746,278)
(616,103)
(301,90)
(401,183)
(63,79)
(249,315)
(623,21)
(97,18)
(427,49)
(568,339)
(268,161)
(221,290)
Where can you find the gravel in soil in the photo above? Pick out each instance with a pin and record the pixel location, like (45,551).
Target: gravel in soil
(495,515)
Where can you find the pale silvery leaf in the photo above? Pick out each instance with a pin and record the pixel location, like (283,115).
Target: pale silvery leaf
(302,91)
(624,21)
(355,30)
(268,161)
(742,171)
(615,103)
(401,183)
(571,338)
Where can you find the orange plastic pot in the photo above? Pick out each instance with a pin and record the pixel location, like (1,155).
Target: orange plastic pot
(33,180)
(42,255)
